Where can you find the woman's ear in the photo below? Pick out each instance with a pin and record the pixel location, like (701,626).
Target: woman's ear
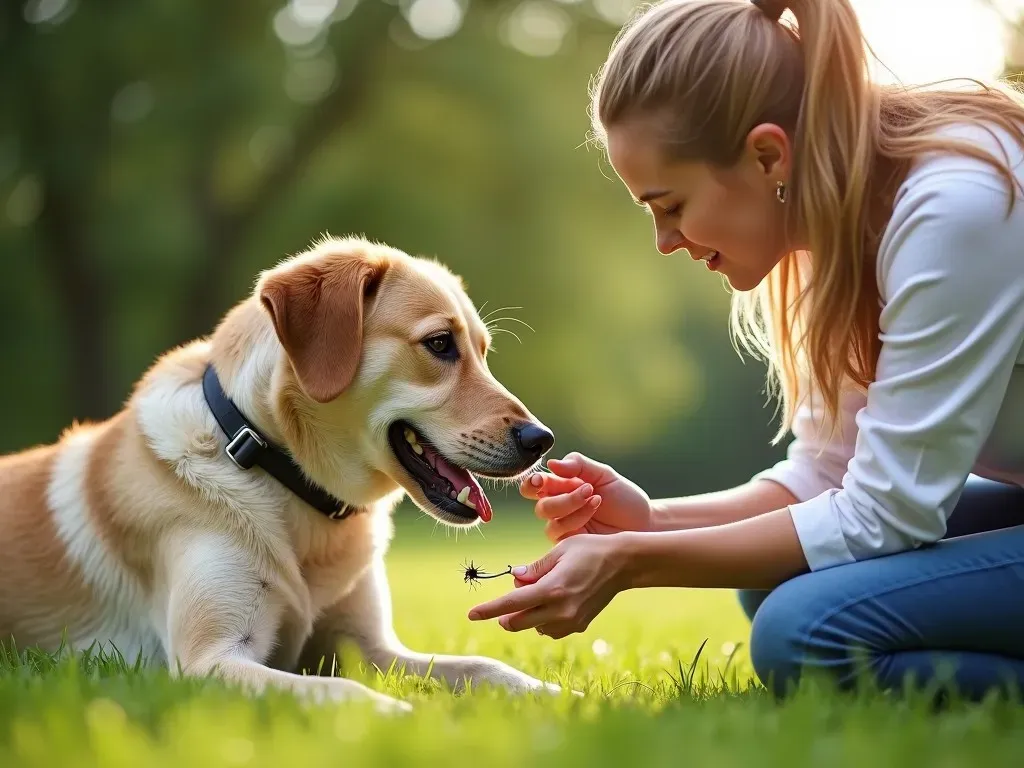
(768,147)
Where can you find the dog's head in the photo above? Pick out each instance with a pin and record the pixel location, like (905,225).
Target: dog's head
(385,361)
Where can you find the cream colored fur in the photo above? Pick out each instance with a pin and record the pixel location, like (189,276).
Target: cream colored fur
(138,533)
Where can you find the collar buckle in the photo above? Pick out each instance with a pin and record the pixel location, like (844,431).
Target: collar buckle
(245,447)
(343,511)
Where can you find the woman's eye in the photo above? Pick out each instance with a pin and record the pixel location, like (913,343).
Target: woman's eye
(442,345)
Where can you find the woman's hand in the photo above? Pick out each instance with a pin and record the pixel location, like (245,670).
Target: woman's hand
(563,591)
(585,496)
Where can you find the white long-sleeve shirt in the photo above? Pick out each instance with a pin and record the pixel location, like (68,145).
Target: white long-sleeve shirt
(948,397)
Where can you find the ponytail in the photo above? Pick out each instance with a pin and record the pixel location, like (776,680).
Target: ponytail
(833,308)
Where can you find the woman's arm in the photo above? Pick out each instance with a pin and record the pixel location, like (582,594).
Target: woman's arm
(568,587)
(755,498)
(951,276)
(756,553)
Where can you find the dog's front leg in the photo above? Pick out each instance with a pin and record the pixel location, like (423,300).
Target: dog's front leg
(364,616)
(226,618)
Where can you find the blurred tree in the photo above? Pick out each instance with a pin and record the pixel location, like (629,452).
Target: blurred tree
(155,156)
(78,77)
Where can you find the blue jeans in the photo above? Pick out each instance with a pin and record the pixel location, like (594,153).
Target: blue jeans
(949,615)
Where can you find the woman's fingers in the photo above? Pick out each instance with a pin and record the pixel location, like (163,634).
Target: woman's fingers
(528,619)
(524,598)
(542,484)
(555,507)
(576,465)
(558,529)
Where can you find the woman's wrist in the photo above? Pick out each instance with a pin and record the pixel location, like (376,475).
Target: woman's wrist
(633,566)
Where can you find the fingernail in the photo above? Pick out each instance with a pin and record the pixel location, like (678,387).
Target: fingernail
(595,502)
(536,481)
(586,489)
(474,615)
(519,570)
(503,622)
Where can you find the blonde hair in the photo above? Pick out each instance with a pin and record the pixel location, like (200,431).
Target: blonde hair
(706,72)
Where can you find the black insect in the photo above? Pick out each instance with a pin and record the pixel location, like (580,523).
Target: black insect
(471,574)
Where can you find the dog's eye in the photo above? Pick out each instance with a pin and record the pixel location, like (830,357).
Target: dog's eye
(443,346)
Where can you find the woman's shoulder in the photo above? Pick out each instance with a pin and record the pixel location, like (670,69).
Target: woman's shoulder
(955,212)
(951,173)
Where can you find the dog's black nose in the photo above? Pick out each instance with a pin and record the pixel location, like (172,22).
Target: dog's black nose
(533,440)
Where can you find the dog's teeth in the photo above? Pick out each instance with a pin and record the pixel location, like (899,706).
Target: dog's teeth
(463,496)
(410,438)
(469,504)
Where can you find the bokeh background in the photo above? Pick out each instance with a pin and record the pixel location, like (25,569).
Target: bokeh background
(155,156)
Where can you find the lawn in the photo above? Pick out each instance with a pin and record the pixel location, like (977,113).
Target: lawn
(645,699)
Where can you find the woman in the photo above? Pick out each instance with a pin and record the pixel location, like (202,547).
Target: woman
(875,240)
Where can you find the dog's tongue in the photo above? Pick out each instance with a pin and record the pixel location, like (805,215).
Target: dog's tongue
(461,478)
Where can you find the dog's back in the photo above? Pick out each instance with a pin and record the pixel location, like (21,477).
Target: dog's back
(83,522)
(38,578)
(61,581)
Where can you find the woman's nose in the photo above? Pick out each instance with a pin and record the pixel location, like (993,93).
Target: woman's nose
(670,241)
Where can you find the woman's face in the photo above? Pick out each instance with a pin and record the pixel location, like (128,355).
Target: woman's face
(729,218)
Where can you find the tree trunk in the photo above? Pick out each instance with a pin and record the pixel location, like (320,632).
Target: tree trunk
(225,232)
(83,305)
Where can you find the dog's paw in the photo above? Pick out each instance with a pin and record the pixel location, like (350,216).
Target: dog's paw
(385,705)
(342,690)
(498,674)
(556,689)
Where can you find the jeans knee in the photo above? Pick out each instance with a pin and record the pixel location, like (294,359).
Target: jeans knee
(776,639)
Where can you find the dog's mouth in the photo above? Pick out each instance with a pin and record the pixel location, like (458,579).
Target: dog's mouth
(451,489)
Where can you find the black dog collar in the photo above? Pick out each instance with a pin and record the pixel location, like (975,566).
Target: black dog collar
(248,448)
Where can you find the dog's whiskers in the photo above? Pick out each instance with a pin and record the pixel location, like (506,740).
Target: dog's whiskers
(422,515)
(496,311)
(513,334)
(493,323)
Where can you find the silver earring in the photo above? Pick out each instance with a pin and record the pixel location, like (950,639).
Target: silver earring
(780,192)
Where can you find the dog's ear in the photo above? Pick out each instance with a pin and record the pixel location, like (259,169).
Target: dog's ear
(317,310)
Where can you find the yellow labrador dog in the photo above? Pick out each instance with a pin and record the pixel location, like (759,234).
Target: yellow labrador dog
(234,516)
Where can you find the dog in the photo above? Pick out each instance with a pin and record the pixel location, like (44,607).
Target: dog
(234,516)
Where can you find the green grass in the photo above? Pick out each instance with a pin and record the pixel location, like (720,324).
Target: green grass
(645,699)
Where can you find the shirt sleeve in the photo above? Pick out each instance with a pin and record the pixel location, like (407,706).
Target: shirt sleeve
(951,277)
(815,461)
